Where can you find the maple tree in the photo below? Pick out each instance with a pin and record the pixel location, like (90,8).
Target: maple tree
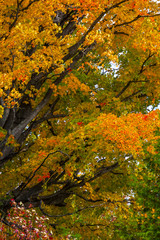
(142,219)
(76,79)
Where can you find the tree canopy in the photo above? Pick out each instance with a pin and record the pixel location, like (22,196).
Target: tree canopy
(78,141)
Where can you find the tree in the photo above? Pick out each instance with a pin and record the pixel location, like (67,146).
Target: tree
(142,222)
(73,128)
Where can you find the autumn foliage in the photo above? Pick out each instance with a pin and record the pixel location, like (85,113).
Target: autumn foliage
(77,78)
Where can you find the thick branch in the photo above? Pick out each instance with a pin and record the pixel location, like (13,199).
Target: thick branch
(103,170)
(33,174)
(18,129)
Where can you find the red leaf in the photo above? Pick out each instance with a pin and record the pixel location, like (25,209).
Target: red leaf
(69,69)
(145,117)
(102,104)
(80,123)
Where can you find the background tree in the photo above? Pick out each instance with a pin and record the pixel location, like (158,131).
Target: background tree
(142,222)
(72,126)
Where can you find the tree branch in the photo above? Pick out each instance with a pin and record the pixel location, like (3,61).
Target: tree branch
(87,200)
(33,174)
